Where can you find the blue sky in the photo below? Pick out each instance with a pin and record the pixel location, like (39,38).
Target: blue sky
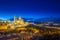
(29,8)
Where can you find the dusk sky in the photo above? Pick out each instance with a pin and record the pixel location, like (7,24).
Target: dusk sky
(29,8)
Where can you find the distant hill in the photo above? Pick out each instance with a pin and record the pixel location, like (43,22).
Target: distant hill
(1,20)
(48,20)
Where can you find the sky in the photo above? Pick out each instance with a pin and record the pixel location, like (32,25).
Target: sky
(29,8)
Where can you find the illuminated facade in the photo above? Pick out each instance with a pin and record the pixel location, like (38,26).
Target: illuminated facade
(18,21)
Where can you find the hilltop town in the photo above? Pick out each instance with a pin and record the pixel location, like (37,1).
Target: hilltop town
(27,30)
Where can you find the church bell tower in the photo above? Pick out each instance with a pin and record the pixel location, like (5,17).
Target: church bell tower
(14,19)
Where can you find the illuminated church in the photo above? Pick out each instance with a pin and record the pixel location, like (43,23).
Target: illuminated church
(17,23)
(19,20)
